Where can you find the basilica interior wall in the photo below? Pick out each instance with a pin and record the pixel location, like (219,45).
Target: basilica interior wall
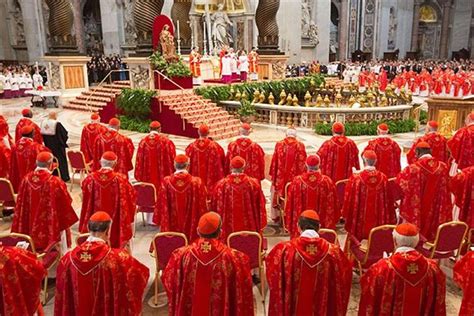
(461,24)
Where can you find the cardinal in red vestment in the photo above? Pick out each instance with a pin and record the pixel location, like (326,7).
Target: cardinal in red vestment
(21,274)
(182,199)
(308,275)
(89,135)
(311,191)
(109,191)
(252,153)
(406,283)
(288,161)
(239,200)
(44,207)
(461,144)
(464,276)
(23,156)
(207,277)
(155,157)
(206,159)
(24,121)
(462,186)
(387,150)
(437,142)
(426,200)
(338,155)
(367,201)
(95,279)
(4,132)
(121,145)
(5,156)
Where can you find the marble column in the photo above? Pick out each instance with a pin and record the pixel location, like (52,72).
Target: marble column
(180,12)
(109,15)
(34,37)
(343,29)
(268,33)
(322,17)
(79,26)
(414,28)
(144,13)
(444,42)
(61,20)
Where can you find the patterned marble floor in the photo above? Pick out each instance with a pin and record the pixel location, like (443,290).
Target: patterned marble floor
(266,136)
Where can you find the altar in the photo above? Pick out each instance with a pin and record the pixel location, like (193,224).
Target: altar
(450,113)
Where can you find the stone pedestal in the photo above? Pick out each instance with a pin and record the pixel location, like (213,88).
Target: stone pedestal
(272,67)
(141,72)
(67,74)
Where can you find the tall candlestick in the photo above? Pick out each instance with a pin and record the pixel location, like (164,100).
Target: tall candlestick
(204,37)
(179,37)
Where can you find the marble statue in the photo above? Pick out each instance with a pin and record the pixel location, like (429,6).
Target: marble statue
(168,49)
(305,17)
(313,33)
(220,23)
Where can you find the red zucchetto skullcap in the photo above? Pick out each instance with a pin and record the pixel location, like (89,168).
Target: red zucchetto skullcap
(44,156)
(407,229)
(338,128)
(369,155)
(310,214)
(433,124)
(237,162)
(100,217)
(109,156)
(25,130)
(383,127)
(155,125)
(313,161)
(246,126)
(114,122)
(423,145)
(203,129)
(181,159)
(25,112)
(209,223)
(95,116)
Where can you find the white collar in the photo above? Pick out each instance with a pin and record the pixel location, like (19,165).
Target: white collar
(95,239)
(41,168)
(369,168)
(309,233)
(404,249)
(472,123)
(154,133)
(181,171)
(106,168)
(244,136)
(426,156)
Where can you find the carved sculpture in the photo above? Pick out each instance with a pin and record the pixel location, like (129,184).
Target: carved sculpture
(61,19)
(144,14)
(305,17)
(19,29)
(168,49)
(267,26)
(220,23)
(140,77)
(130,32)
(313,33)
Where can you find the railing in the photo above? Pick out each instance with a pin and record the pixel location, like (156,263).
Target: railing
(416,117)
(108,76)
(169,79)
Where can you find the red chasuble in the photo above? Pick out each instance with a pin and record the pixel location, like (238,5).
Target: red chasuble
(155,159)
(338,156)
(240,202)
(288,161)
(121,145)
(94,279)
(110,192)
(367,203)
(5,158)
(404,284)
(253,155)
(311,191)
(426,200)
(207,160)
(88,137)
(4,131)
(23,159)
(462,186)
(21,274)
(24,122)
(308,276)
(208,278)
(461,146)
(182,200)
(388,155)
(43,208)
(438,145)
(464,277)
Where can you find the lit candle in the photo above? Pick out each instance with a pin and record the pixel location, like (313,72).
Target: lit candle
(179,38)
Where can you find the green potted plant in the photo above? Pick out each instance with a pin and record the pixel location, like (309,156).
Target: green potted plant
(246,111)
(177,71)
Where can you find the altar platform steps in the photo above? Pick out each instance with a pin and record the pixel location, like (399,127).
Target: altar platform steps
(193,111)
(97,98)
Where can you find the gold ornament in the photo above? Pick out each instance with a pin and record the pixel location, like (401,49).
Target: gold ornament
(295,101)
(271,99)
(307,98)
(282,97)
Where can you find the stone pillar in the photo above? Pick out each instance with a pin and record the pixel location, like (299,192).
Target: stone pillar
(109,12)
(343,29)
(268,33)
(79,26)
(144,14)
(61,19)
(414,28)
(34,38)
(444,42)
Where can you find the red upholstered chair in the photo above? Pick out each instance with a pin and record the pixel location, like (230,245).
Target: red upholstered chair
(78,164)
(146,198)
(163,245)
(7,197)
(250,243)
(380,241)
(448,241)
(340,189)
(282,210)
(12,239)
(329,235)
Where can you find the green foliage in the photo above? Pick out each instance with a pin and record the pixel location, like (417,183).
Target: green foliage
(135,103)
(174,69)
(246,108)
(423,116)
(297,86)
(134,124)
(369,128)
